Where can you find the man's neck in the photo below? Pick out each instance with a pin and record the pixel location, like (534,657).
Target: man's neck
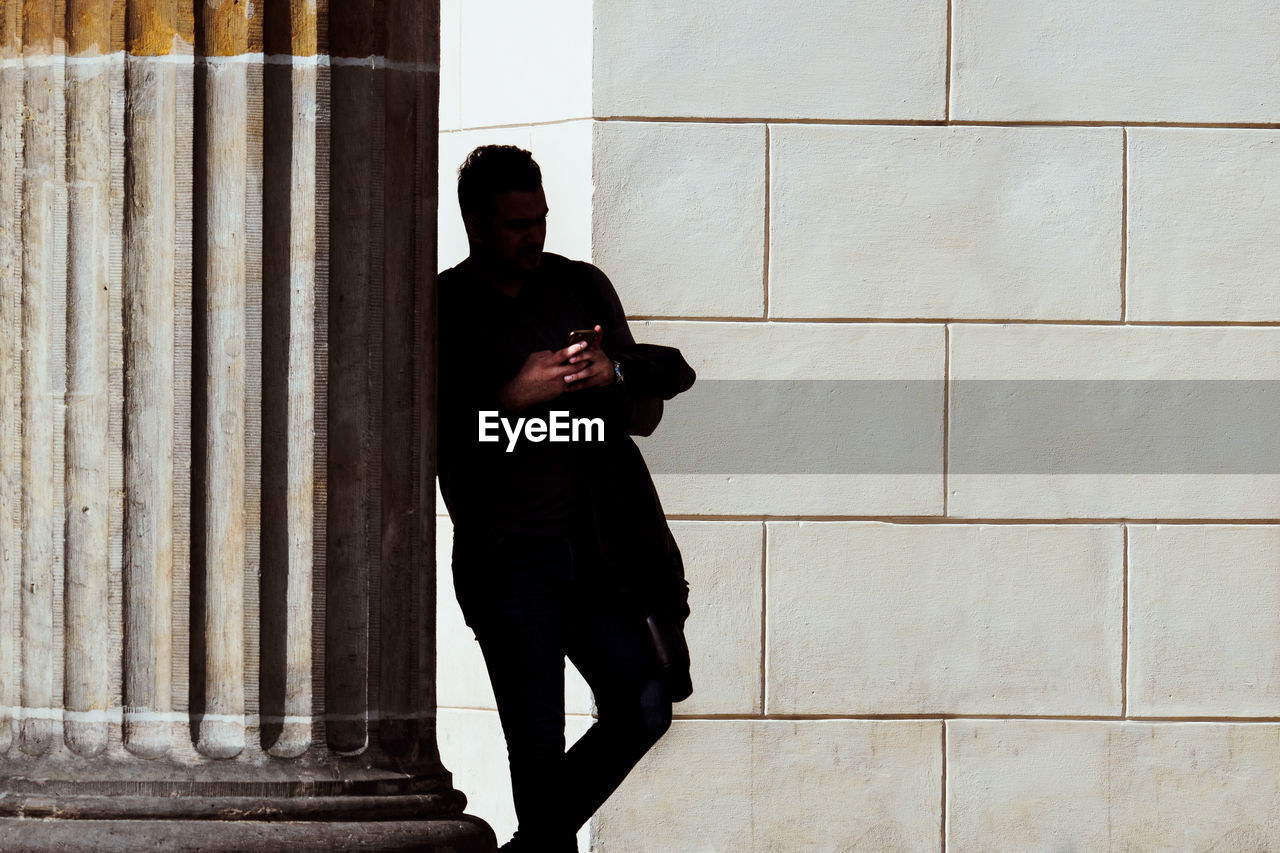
(496,278)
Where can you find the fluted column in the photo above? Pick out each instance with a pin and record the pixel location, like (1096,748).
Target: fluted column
(290,260)
(223,93)
(11,77)
(216,442)
(43,315)
(88,354)
(152,366)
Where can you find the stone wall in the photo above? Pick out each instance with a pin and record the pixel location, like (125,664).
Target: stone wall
(1001,658)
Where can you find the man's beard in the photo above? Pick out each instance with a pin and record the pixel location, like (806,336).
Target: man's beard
(528,260)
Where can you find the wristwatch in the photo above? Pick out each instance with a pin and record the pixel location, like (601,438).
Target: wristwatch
(618,378)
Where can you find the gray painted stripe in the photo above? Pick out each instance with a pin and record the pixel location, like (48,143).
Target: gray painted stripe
(994,427)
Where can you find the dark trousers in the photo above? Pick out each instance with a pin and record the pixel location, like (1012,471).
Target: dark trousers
(532,600)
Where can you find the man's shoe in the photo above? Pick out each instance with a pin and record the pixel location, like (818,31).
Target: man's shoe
(515,845)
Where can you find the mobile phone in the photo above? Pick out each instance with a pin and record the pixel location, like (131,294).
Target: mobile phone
(588,335)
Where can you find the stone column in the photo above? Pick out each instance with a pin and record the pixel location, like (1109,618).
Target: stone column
(217,256)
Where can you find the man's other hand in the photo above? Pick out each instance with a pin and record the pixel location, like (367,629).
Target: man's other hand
(541,378)
(592,368)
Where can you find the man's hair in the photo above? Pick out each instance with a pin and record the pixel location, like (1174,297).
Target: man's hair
(493,169)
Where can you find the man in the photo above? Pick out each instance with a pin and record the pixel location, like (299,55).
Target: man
(560,544)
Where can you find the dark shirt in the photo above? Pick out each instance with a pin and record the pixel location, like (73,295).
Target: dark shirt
(485,337)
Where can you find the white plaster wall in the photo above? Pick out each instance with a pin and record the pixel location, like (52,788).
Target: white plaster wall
(508,62)
(961,191)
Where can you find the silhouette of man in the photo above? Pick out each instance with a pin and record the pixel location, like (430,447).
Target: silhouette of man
(560,544)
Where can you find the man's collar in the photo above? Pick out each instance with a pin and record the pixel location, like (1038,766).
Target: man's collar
(477,271)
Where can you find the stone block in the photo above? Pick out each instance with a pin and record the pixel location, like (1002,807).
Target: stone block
(1203,209)
(945,222)
(1020,785)
(766,351)
(1203,605)
(747,352)
(830,59)
(1144,61)
(879,618)
(723,563)
(679,216)
(1152,457)
(812,785)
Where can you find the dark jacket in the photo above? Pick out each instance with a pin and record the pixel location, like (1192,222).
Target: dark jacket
(630,527)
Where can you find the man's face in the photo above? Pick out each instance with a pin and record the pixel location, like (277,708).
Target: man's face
(512,237)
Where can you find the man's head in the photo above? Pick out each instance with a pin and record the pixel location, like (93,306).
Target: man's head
(503,208)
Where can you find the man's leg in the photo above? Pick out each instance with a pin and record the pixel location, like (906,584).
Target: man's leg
(633,708)
(513,595)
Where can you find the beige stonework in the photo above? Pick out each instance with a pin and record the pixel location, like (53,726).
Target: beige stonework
(770,59)
(981,191)
(781,351)
(1020,785)
(1146,61)
(945,222)
(1146,353)
(775,785)
(690,199)
(1202,620)
(749,351)
(1203,214)
(723,561)
(875,618)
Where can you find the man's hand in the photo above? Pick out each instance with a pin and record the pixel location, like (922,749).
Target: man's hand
(593,369)
(541,378)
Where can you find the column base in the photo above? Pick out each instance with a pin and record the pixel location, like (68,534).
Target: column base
(456,834)
(114,802)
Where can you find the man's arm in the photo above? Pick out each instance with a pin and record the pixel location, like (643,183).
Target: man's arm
(649,370)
